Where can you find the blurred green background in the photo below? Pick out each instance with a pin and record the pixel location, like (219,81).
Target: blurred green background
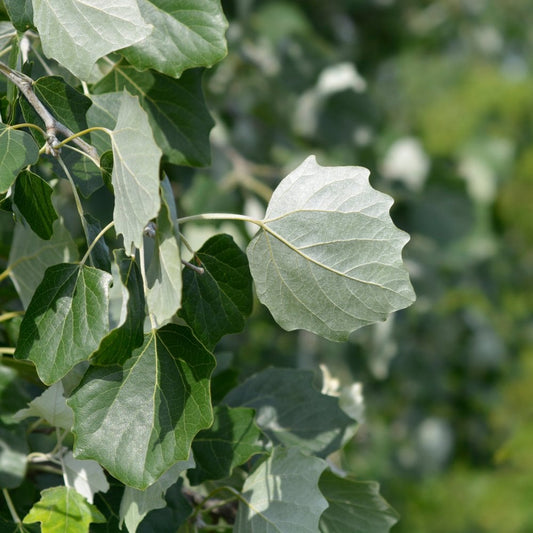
(436,99)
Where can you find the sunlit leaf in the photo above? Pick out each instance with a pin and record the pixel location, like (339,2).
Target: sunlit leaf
(86,477)
(139,420)
(77,33)
(135,171)
(187,33)
(328,257)
(282,495)
(65,320)
(62,509)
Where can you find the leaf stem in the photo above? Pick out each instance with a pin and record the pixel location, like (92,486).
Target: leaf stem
(7,350)
(96,239)
(11,507)
(220,216)
(28,125)
(10,315)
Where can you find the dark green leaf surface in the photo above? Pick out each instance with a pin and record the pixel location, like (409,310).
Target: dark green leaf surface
(176,110)
(291,411)
(187,33)
(30,256)
(62,509)
(229,442)
(217,302)
(17,150)
(13,394)
(139,420)
(135,171)
(328,258)
(13,452)
(65,320)
(77,33)
(21,13)
(354,506)
(282,495)
(33,199)
(100,253)
(164,267)
(118,344)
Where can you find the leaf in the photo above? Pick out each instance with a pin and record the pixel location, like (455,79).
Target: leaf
(86,477)
(292,412)
(282,495)
(163,275)
(13,394)
(187,33)
(63,509)
(77,33)
(20,13)
(135,171)
(328,257)
(354,506)
(118,344)
(139,420)
(136,504)
(65,320)
(51,406)
(100,253)
(33,199)
(13,452)
(229,442)
(216,302)
(17,150)
(103,113)
(30,256)
(176,110)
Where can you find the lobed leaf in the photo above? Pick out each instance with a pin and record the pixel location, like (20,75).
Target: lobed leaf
(186,34)
(66,319)
(328,257)
(282,495)
(77,33)
(139,420)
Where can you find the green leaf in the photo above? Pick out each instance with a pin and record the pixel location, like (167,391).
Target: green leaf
(77,33)
(163,275)
(63,509)
(86,477)
(176,109)
(328,257)
(51,406)
(282,495)
(118,344)
(17,150)
(292,412)
(13,394)
(139,420)
(136,504)
(135,171)
(66,319)
(30,256)
(100,253)
(13,452)
(229,442)
(103,113)
(354,506)
(33,199)
(216,302)
(187,33)
(21,13)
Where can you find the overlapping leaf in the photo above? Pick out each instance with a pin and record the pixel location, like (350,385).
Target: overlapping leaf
(328,257)
(63,509)
(118,344)
(292,412)
(13,452)
(30,256)
(33,199)
(282,495)
(138,420)
(229,442)
(187,33)
(135,171)
(17,150)
(77,33)
(20,13)
(65,320)
(354,506)
(176,110)
(86,477)
(217,302)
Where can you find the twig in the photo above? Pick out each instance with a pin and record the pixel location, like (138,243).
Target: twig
(53,126)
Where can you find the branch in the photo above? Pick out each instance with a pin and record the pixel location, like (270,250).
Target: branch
(53,126)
